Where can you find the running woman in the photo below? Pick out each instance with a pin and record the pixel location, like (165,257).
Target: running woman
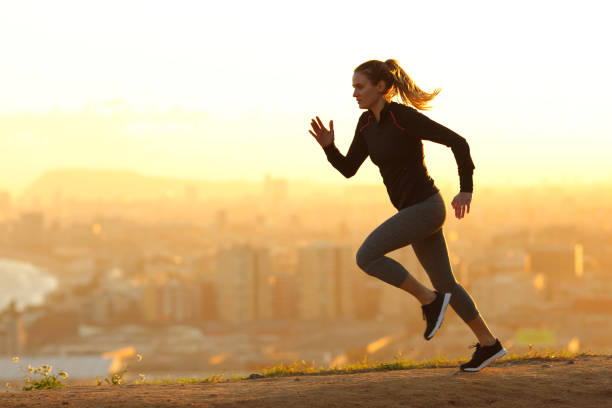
(391,134)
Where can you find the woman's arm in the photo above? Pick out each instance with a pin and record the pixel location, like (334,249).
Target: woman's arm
(356,155)
(425,128)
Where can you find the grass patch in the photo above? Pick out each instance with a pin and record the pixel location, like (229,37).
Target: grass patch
(303,368)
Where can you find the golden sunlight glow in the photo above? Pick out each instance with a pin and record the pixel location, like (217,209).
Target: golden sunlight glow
(378,344)
(218,359)
(118,357)
(574,345)
(383,342)
(578,259)
(539,281)
(338,361)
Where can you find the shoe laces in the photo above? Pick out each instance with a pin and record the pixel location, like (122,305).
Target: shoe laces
(477,346)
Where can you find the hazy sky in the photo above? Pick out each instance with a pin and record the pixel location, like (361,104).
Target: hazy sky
(226,90)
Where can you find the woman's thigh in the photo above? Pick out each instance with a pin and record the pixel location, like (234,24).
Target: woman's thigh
(408,225)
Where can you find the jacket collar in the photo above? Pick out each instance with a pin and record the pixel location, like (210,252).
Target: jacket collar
(383,110)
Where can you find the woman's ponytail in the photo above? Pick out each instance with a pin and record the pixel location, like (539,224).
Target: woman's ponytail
(397,82)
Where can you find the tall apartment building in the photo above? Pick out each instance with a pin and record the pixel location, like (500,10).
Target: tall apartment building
(328,281)
(284,304)
(243,288)
(555,267)
(12,332)
(171,300)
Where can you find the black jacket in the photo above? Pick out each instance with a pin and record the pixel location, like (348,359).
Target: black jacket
(395,145)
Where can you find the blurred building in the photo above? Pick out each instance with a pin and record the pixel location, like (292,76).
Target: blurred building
(28,231)
(5,204)
(111,300)
(329,282)
(317,281)
(171,299)
(555,267)
(179,301)
(242,282)
(557,261)
(220,221)
(12,332)
(284,297)
(275,190)
(208,301)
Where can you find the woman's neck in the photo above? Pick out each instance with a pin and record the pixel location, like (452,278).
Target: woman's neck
(378,107)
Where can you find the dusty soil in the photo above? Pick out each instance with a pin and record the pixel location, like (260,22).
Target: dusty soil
(583,382)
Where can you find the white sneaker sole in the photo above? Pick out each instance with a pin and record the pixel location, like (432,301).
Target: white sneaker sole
(441,316)
(499,354)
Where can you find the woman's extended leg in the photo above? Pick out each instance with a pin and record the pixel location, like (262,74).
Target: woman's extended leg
(432,253)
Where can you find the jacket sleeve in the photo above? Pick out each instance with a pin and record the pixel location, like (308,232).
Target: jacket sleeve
(356,155)
(427,129)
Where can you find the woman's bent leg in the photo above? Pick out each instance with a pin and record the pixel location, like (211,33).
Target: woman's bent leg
(407,226)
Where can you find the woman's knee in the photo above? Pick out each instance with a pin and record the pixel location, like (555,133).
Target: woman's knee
(363,258)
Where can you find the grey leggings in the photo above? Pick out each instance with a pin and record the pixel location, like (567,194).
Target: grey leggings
(419,225)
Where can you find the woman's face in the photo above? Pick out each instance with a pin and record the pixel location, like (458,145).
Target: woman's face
(365,92)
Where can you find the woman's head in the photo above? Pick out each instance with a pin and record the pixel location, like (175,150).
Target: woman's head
(375,79)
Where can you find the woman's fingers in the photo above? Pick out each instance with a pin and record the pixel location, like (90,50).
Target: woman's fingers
(461,209)
(321,124)
(315,126)
(320,128)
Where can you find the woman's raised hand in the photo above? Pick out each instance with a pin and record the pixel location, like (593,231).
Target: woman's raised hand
(324,137)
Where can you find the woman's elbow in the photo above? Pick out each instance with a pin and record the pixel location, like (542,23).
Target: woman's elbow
(349,173)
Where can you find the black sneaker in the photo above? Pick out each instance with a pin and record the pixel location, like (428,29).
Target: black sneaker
(483,356)
(433,313)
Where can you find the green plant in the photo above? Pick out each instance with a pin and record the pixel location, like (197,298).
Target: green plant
(46,380)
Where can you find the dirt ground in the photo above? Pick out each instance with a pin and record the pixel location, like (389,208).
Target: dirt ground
(583,382)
